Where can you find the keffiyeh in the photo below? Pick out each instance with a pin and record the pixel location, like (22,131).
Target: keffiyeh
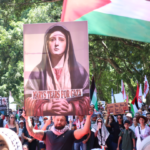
(59,132)
(104,132)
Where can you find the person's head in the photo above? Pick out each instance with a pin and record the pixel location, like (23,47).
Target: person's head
(99,122)
(11,119)
(129,116)
(119,118)
(21,123)
(104,114)
(60,122)
(140,111)
(56,43)
(111,119)
(6,117)
(99,115)
(45,118)
(127,124)
(80,118)
(148,116)
(25,147)
(21,118)
(92,106)
(94,117)
(137,114)
(142,120)
(134,121)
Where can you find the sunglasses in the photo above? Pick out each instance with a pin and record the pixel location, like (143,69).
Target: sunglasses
(12,117)
(99,121)
(119,118)
(45,119)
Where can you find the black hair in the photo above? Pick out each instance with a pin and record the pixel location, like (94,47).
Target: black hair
(120,116)
(112,117)
(148,113)
(127,121)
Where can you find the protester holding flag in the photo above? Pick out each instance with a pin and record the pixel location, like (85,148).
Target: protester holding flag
(12,124)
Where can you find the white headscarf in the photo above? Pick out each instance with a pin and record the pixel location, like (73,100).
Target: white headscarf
(104,132)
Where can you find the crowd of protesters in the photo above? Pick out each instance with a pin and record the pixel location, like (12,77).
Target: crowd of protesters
(114,132)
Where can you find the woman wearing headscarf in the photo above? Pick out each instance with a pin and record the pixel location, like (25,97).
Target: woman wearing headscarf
(101,132)
(58,70)
(141,131)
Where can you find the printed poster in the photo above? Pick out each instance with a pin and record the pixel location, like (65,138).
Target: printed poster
(56,69)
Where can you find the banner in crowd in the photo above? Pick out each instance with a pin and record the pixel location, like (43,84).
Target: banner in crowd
(4,104)
(117,108)
(56,69)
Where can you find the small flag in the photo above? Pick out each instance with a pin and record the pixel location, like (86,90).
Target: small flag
(146,87)
(134,103)
(18,115)
(93,95)
(140,97)
(36,127)
(123,90)
(6,126)
(112,96)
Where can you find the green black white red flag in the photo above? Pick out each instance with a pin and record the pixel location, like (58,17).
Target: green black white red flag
(118,18)
(93,94)
(134,103)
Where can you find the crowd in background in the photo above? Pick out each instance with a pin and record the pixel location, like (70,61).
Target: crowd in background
(114,132)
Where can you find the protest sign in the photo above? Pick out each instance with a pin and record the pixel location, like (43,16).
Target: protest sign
(117,108)
(56,69)
(4,104)
(119,98)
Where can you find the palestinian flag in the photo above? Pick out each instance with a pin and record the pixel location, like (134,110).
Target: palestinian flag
(18,115)
(93,94)
(134,103)
(128,19)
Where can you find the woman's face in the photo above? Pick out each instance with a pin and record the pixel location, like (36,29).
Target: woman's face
(141,121)
(12,118)
(57,43)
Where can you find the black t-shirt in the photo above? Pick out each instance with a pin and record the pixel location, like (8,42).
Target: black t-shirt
(62,142)
(26,133)
(116,129)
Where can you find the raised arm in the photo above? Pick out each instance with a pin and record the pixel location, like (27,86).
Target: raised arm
(78,134)
(37,134)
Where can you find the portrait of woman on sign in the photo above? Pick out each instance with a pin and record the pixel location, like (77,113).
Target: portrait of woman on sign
(59,84)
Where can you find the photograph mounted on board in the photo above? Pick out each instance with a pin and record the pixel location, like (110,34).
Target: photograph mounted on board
(56,69)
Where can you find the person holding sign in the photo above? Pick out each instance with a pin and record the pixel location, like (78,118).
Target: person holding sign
(58,71)
(59,137)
